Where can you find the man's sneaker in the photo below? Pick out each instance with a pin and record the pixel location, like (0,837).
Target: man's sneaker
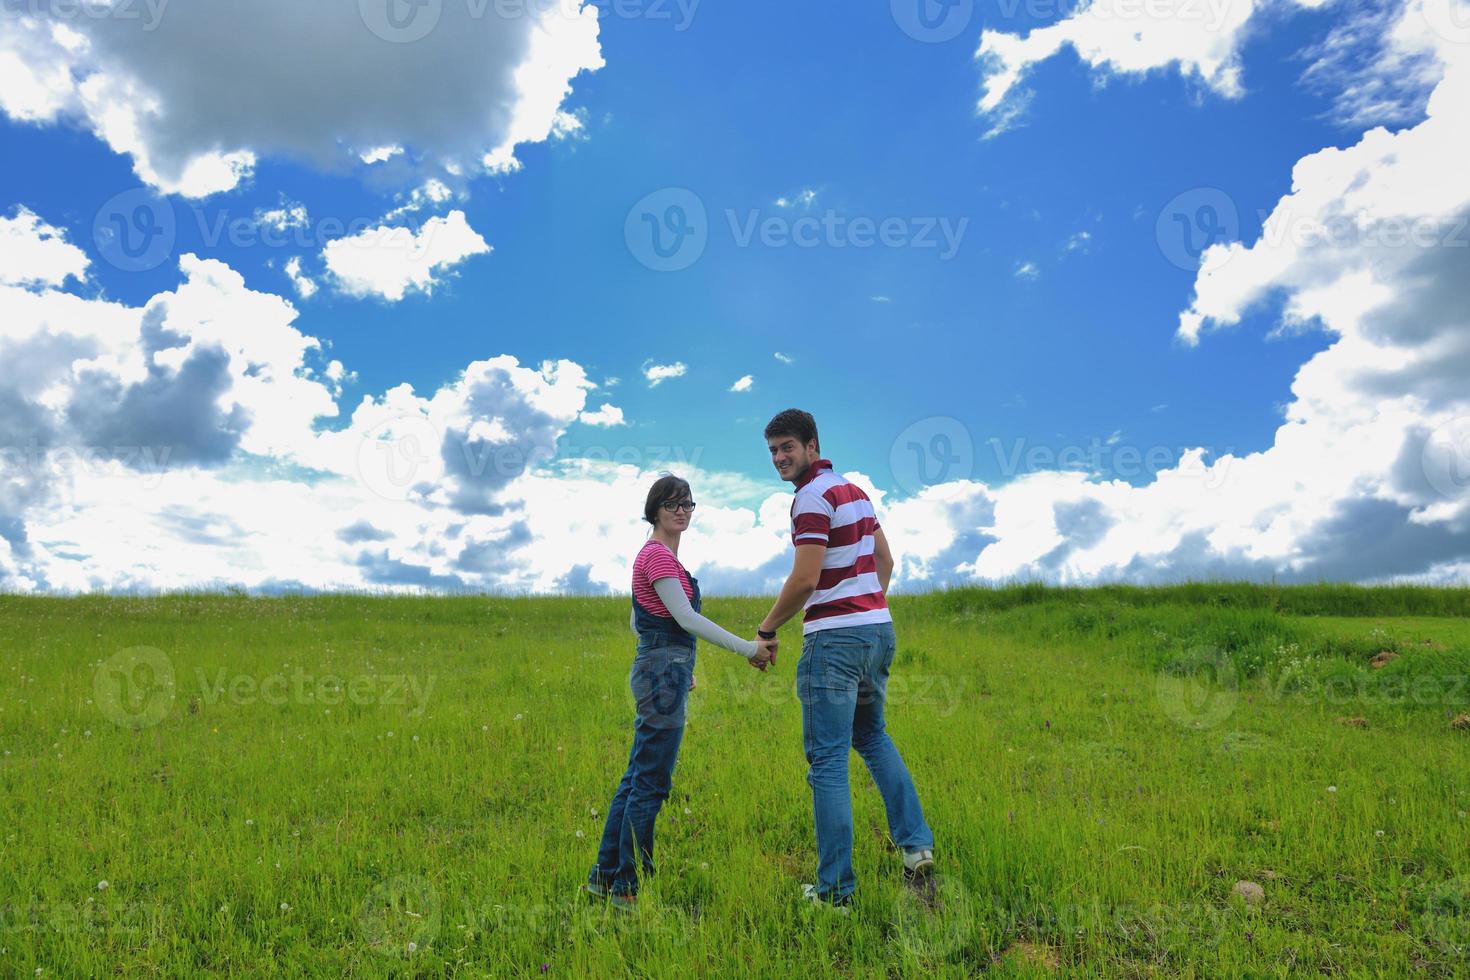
(917,864)
(841,905)
(624,903)
(596,889)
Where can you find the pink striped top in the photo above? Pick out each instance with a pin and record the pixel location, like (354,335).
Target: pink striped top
(832,511)
(656,561)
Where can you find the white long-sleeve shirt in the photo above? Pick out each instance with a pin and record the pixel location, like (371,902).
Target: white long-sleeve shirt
(671,594)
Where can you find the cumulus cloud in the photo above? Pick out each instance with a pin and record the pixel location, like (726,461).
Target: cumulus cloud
(391,261)
(657,374)
(1200,39)
(196,93)
(1369,476)
(606,416)
(744,383)
(32,253)
(305,286)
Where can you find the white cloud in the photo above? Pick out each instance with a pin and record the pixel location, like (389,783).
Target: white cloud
(390,262)
(562,44)
(1027,270)
(305,287)
(32,253)
(1200,39)
(785,358)
(1376,65)
(657,374)
(195,94)
(804,199)
(606,416)
(378,154)
(743,384)
(1080,242)
(432,192)
(288,215)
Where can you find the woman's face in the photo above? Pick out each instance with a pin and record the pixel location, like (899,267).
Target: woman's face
(675,521)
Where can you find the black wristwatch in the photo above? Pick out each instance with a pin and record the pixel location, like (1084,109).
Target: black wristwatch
(764,634)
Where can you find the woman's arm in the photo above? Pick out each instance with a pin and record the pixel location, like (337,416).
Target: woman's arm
(676,602)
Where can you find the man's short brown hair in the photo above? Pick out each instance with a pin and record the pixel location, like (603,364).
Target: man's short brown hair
(794,422)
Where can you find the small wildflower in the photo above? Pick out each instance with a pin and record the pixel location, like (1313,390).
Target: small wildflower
(1332,789)
(580,835)
(284,906)
(102,885)
(415,738)
(249,822)
(687,810)
(1377,833)
(413,947)
(519,717)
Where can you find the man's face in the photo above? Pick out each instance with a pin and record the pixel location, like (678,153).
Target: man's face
(790,457)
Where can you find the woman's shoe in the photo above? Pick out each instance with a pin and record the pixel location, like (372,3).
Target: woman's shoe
(840,906)
(917,864)
(624,903)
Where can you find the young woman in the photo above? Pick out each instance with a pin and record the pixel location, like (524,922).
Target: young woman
(666,619)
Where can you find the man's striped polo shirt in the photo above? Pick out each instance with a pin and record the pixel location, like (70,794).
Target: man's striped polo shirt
(832,511)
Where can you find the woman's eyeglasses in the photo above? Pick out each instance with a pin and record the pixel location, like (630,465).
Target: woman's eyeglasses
(674,506)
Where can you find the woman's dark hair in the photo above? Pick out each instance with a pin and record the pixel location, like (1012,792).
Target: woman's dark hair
(794,422)
(665,488)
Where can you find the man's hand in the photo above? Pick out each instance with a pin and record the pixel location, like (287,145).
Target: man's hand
(765,654)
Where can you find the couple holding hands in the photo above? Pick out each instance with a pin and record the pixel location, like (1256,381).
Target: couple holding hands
(839,578)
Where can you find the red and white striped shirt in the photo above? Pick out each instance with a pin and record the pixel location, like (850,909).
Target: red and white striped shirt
(832,511)
(656,561)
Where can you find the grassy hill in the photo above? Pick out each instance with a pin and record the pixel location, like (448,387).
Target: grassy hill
(365,786)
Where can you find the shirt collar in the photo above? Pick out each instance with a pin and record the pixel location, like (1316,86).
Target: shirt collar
(812,472)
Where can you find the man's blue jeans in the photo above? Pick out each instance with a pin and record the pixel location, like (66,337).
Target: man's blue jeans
(842,682)
(660,679)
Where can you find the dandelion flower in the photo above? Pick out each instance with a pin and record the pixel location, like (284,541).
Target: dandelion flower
(1332,789)
(285,907)
(102,885)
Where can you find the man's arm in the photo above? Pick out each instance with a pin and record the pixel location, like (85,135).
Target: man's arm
(806,572)
(883,558)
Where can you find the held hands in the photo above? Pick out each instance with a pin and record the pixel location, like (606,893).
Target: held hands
(765,654)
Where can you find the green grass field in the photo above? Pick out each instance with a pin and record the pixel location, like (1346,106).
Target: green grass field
(371,786)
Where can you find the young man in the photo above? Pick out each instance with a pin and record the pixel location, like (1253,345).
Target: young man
(840,577)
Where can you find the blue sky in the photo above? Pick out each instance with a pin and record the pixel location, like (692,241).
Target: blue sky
(1054,323)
